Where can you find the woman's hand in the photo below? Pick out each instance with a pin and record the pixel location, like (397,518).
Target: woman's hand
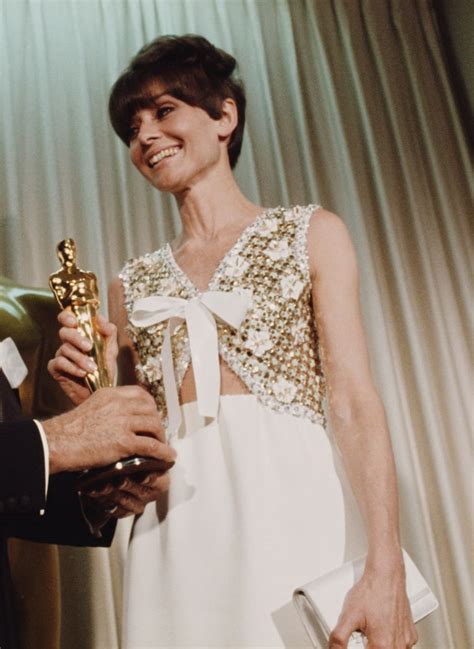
(378,606)
(71,362)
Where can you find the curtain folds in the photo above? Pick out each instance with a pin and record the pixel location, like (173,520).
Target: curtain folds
(349,105)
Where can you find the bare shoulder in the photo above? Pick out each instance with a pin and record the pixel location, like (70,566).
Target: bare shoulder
(329,244)
(325,228)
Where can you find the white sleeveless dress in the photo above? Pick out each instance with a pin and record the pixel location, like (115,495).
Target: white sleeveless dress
(258,503)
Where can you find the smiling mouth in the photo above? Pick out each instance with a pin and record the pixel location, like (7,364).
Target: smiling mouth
(165,153)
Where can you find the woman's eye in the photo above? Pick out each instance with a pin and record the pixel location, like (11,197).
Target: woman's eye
(133,132)
(163,111)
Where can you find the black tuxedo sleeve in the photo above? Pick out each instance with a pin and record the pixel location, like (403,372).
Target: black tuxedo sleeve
(22,469)
(63,521)
(22,494)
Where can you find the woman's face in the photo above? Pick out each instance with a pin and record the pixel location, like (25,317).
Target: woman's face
(173,144)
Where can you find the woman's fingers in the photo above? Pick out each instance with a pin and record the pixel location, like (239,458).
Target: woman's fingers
(379,611)
(75,346)
(70,333)
(72,362)
(342,632)
(75,338)
(73,386)
(69,362)
(60,366)
(73,355)
(67,319)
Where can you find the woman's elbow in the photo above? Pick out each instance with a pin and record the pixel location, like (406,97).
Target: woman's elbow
(353,405)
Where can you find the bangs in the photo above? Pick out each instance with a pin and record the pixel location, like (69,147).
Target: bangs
(131,94)
(139,90)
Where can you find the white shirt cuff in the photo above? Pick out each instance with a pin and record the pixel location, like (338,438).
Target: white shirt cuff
(44,441)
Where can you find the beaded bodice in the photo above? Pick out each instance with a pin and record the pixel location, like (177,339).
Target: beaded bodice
(275,351)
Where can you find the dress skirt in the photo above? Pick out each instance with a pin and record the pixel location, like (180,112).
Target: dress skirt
(258,505)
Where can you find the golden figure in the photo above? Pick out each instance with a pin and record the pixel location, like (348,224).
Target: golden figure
(77,289)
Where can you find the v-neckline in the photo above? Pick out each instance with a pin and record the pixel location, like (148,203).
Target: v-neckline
(240,241)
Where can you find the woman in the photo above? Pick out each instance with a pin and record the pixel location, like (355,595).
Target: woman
(257,503)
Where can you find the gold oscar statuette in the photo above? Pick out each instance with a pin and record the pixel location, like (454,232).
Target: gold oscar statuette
(77,290)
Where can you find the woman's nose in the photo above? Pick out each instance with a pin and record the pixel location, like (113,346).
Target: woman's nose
(149,131)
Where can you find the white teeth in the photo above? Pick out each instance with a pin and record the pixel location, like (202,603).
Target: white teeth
(165,153)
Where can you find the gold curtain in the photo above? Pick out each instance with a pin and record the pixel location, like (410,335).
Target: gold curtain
(350,105)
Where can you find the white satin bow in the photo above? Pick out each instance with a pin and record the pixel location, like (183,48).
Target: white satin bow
(12,363)
(199,313)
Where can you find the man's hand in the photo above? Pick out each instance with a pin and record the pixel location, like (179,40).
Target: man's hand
(112,424)
(131,495)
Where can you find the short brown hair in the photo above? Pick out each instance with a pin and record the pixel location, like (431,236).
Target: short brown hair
(193,70)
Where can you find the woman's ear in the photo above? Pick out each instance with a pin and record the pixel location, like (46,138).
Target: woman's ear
(228,120)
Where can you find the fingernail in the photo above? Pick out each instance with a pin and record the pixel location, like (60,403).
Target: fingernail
(70,320)
(92,366)
(86,345)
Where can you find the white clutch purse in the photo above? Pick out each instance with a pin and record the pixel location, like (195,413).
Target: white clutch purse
(320,602)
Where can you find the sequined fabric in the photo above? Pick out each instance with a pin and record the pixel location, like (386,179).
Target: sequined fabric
(275,352)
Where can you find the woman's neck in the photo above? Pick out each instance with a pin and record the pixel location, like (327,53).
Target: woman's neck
(212,206)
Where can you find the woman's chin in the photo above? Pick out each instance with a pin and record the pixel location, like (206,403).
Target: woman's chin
(172,184)
(175,183)
(165,183)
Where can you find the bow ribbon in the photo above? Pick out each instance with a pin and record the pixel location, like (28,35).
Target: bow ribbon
(200,315)
(11,363)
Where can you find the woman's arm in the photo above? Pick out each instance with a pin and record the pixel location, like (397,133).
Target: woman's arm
(377,605)
(127,357)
